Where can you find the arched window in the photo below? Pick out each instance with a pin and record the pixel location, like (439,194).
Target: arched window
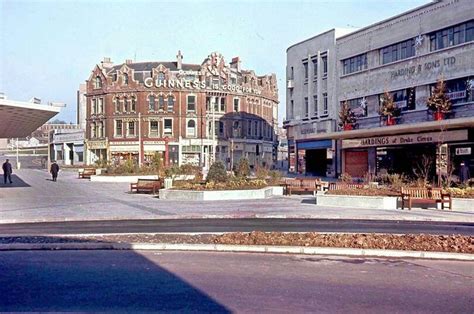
(98,82)
(170,103)
(191,130)
(125,105)
(161,102)
(125,79)
(151,103)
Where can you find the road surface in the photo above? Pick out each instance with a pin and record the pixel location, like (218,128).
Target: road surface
(230,282)
(235,225)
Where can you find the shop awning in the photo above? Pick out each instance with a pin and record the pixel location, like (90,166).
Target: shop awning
(314,144)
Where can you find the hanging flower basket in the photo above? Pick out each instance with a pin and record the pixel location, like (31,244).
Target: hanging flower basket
(438,115)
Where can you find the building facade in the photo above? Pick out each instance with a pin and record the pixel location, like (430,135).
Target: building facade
(187,113)
(404,56)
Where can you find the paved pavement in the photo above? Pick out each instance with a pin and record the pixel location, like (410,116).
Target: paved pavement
(34,197)
(228,282)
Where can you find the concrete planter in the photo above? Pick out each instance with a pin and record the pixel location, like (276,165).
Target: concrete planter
(353,201)
(463,204)
(125,179)
(185,195)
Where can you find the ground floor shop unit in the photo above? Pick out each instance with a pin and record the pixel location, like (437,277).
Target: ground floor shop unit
(315,158)
(198,152)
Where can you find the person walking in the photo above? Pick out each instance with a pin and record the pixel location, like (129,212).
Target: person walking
(7,172)
(54,171)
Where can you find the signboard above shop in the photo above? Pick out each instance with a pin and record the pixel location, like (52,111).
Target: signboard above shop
(407,139)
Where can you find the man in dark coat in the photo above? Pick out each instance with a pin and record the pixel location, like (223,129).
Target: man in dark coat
(54,171)
(7,172)
(464,174)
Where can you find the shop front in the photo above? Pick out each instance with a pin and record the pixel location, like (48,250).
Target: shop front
(315,158)
(411,154)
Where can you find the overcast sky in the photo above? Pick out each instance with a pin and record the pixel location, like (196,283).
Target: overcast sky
(47,48)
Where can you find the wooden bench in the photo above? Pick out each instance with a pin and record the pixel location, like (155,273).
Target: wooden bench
(86,173)
(302,185)
(425,195)
(334,186)
(147,185)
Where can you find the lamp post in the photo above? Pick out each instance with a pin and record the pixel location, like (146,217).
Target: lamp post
(139,139)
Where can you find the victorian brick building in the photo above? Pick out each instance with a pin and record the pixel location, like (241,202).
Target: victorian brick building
(187,113)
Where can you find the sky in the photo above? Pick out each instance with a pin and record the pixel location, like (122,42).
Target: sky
(47,48)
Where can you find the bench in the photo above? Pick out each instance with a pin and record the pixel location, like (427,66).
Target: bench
(335,186)
(425,195)
(302,185)
(86,173)
(147,185)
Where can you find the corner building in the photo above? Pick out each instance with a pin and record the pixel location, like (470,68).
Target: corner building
(404,55)
(187,113)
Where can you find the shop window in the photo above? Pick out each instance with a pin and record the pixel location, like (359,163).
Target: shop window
(118,128)
(154,131)
(191,103)
(168,127)
(191,128)
(170,103)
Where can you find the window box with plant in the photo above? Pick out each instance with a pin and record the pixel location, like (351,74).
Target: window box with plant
(439,102)
(388,109)
(347,117)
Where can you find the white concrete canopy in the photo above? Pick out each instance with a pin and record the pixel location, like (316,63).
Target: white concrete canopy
(20,119)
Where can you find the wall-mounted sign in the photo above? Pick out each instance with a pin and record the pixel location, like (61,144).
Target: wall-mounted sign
(427,66)
(405,139)
(97,144)
(463,151)
(198,85)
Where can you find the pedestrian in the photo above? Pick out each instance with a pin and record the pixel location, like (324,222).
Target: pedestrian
(54,171)
(7,172)
(464,174)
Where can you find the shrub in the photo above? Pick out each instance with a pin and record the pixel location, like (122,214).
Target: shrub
(217,173)
(461,193)
(262,173)
(171,172)
(243,168)
(346,178)
(275,177)
(394,180)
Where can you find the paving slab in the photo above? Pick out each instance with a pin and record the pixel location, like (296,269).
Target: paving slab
(34,197)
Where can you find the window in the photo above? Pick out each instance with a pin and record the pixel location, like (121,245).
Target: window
(255,130)
(100,106)
(151,103)
(100,129)
(97,82)
(306,107)
(161,102)
(94,106)
(222,104)
(125,105)
(236,104)
(168,127)
(324,59)
(118,128)
(154,131)
(249,128)
(305,65)
(170,103)
(325,103)
(221,128)
(236,129)
(131,128)
(191,129)
(354,64)
(451,36)
(292,109)
(358,106)
(315,105)
(125,79)
(93,130)
(116,104)
(161,77)
(403,99)
(133,102)
(315,68)
(191,103)
(398,51)
(459,90)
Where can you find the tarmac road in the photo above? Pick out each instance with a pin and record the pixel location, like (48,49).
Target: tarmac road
(236,225)
(202,282)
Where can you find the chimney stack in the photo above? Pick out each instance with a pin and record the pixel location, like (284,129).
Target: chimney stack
(107,63)
(129,61)
(235,64)
(179,60)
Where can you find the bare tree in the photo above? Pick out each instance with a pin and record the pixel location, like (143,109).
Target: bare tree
(423,168)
